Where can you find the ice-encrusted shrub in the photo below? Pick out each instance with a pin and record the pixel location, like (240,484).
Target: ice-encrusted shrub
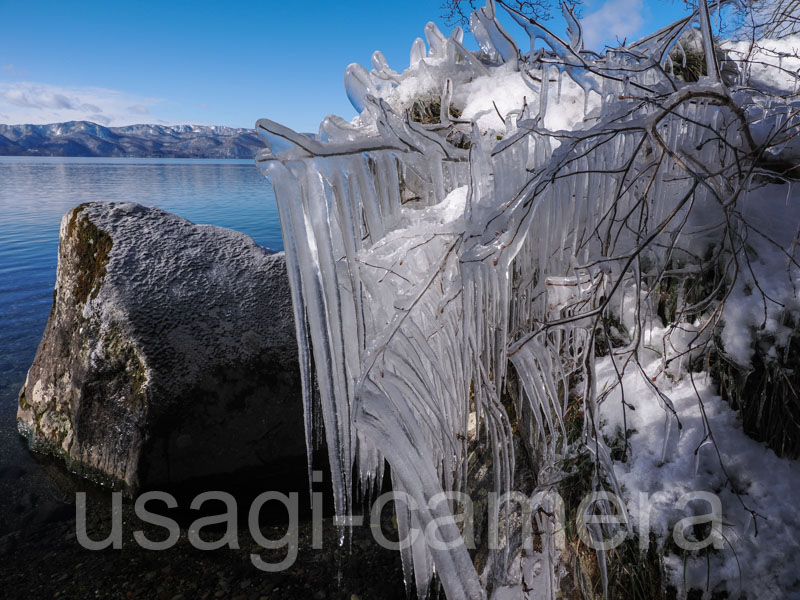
(429,259)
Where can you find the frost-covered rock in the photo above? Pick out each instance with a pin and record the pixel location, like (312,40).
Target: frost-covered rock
(169,353)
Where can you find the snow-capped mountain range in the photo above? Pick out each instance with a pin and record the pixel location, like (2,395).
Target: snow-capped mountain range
(83,138)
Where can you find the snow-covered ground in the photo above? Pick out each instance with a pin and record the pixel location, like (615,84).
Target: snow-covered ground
(749,564)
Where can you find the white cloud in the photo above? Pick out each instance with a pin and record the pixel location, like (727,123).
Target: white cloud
(97,118)
(40,103)
(43,99)
(613,19)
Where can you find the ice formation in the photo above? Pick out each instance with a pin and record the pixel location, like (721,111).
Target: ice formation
(487,215)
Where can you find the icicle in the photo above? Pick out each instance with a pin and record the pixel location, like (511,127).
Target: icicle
(560,78)
(543,91)
(683,55)
(417,52)
(446,98)
(436,40)
(382,69)
(668,66)
(357,85)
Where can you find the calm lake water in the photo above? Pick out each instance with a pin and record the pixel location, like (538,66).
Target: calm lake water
(36,192)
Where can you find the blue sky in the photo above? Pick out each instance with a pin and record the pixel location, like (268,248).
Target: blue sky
(225,62)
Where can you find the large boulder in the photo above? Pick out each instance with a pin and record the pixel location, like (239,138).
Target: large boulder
(169,353)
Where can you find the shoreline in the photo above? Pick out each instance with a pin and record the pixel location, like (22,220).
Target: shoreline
(48,562)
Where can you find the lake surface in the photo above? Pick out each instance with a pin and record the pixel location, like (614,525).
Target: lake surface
(36,192)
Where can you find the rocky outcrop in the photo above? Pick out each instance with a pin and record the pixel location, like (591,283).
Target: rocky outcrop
(169,352)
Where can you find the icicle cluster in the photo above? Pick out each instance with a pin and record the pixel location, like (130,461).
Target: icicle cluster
(427,259)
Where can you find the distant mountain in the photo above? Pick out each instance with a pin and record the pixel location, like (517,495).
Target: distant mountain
(83,138)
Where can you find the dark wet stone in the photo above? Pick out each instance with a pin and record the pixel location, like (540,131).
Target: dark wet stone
(169,353)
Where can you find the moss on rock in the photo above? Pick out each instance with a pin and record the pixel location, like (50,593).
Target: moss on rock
(92,246)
